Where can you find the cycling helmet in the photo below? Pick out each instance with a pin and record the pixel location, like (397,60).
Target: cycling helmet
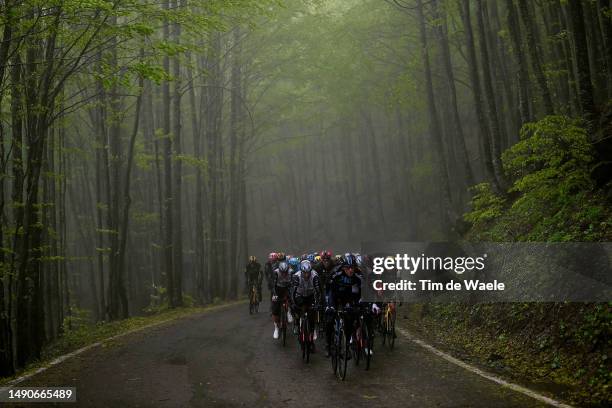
(306,266)
(294,262)
(359,260)
(252,259)
(338,258)
(272,257)
(303,257)
(317,258)
(348,259)
(326,254)
(283,267)
(310,257)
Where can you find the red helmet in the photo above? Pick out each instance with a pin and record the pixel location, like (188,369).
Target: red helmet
(326,254)
(273,256)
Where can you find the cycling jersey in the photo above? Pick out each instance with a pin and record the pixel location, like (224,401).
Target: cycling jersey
(343,289)
(281,281)
(304,288)
(268,271)
(253,273)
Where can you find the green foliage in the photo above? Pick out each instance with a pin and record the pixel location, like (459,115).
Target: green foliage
(552,198)
(486,206)
(553,195)
(552,160)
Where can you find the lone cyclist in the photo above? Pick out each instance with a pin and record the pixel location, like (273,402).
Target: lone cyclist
(254,275)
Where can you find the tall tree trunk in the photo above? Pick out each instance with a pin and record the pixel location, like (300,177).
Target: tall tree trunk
(234,201)
(434,124)
(481,116)
(167,158)
(583,73)
(459,139)
(522,74)
(125,216)
(198,204)
(178,176)
(534,55)
(493,114)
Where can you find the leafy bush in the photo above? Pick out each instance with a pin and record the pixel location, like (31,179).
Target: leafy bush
(554,197)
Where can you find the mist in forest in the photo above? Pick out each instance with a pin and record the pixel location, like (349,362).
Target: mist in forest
(149,149)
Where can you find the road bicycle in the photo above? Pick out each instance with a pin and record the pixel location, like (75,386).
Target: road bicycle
(363,338)
(253,300)
(340,348)
(284,322)
(387,327)
(306,334)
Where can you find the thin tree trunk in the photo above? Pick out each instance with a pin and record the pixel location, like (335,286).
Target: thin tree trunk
(178,177)
(494,125)
(434,124)
(483,127)
(168,196)
(234,165)
(534,55)
(459,140)
(583,73)
(522,74)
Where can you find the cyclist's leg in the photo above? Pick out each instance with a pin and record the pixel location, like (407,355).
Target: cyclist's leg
(275,306)
(296,307)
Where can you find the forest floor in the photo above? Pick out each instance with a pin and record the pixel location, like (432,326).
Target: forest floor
(101,334)
(229,359)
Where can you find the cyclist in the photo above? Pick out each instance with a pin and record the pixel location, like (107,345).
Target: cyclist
(280,292)
(294,265)
(325,266)
(269,267)
(343,291)
(306,291)
(254,275)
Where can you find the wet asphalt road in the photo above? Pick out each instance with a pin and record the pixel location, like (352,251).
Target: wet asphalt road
(226,358)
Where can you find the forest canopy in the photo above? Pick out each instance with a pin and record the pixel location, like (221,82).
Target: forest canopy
(147,148)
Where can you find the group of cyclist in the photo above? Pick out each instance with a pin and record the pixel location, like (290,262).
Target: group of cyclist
(314,281)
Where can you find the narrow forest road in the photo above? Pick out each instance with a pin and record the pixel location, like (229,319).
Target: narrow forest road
(227,358)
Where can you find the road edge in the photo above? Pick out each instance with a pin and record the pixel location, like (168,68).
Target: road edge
(64,357)
(482,373)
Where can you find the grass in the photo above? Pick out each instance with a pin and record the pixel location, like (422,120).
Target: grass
(87,334)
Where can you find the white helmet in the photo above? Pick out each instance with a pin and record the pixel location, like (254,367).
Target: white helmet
(305,266)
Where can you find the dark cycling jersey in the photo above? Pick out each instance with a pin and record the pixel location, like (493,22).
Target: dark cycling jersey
(343,289)
(253,273)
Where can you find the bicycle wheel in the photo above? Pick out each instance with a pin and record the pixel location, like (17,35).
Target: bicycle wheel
(392,334)
(367,346)
(383,329)
(307,340)
(343,364)
(283,328)
(342,349)
(357,345)
(334,348)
